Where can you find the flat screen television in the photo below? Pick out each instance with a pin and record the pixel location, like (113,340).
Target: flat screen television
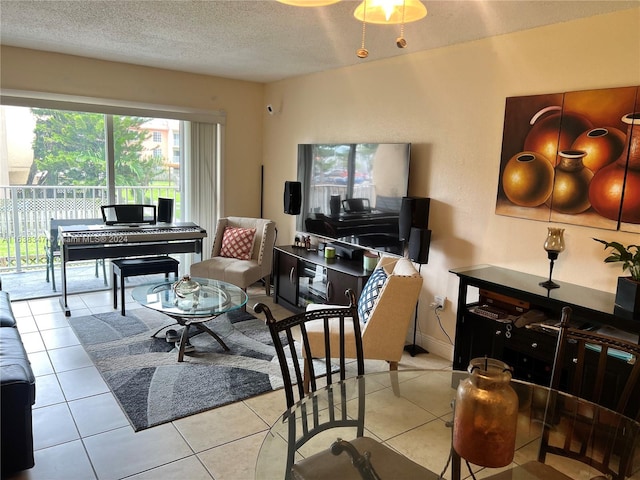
(352,192)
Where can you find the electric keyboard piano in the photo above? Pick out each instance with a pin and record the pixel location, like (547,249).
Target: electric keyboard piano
(90,242)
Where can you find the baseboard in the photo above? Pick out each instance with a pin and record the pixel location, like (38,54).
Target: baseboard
(435,346)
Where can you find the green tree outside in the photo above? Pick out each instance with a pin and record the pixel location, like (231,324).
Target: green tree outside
(70,147)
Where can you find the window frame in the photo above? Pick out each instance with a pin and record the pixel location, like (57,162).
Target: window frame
(197,208)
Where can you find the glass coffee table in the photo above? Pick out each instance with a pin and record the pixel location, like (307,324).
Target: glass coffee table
(212,299)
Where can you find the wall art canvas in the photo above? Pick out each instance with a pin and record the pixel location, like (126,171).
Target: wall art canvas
(573,158)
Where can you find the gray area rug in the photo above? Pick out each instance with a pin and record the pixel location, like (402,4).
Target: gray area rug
(154,388)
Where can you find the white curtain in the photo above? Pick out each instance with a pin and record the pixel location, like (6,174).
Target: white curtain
(203,185)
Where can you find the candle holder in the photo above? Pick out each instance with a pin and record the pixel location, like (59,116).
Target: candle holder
(554,244)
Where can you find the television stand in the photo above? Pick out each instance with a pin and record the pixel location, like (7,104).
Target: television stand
(303,277)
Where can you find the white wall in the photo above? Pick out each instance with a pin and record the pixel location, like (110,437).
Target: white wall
(18,132)
(449,103)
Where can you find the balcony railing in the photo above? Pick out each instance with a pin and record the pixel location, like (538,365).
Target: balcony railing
(25,213)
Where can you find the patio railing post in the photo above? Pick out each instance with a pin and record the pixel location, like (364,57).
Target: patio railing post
(16,229)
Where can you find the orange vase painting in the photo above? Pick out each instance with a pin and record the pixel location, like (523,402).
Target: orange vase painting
(573,158)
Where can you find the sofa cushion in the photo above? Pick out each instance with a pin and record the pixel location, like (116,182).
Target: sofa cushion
(18,394)
(6,315)
(370,293)
(17,430)
(12,352)
(230,270)
(238,242)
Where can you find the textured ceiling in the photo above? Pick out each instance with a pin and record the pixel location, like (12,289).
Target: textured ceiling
(262,40)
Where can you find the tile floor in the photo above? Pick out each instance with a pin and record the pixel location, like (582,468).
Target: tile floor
(81,433)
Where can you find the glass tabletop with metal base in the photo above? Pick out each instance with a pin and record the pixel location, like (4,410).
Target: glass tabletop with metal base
(412,411)
(207,300)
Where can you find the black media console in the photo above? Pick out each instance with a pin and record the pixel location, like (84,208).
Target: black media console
(496,310)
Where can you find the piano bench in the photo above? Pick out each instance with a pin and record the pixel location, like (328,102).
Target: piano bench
(131,267)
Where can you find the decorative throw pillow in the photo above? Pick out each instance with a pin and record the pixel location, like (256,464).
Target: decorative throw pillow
(237,242)
(370,293)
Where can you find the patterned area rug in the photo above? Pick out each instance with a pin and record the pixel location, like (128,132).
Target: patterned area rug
(154,388)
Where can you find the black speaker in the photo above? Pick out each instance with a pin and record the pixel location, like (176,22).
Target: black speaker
(334,204)
(292,197)
(165,210)
(419,241)
(414,212)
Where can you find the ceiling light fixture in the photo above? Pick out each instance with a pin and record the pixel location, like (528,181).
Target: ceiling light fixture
(309,3)
(388,12)
(385,12)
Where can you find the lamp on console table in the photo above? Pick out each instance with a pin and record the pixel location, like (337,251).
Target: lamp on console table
(554,244)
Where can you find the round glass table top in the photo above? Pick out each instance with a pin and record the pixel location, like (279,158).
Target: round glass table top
(212,298)
(412,411)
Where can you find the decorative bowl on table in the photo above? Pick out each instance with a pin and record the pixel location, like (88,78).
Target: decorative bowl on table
(187,292)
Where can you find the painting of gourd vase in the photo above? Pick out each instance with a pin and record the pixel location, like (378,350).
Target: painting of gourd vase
(573,158)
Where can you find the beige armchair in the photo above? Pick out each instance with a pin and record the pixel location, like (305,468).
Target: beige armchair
(385,330)
(241,273)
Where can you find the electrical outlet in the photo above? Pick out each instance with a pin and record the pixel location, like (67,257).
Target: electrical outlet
(439,301)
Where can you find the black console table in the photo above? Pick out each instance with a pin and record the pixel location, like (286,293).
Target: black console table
(303,277)
(495,331)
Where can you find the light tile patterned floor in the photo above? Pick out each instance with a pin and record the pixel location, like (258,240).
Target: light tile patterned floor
(81,433)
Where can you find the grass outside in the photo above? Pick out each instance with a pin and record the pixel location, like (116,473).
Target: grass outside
(33,252)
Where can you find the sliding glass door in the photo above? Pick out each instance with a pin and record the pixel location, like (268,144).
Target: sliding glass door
(64,164)
(122,159)
(147,161)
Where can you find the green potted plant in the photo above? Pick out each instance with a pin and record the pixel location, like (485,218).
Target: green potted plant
(628,291)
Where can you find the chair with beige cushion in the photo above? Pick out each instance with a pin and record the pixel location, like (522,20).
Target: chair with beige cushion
(386,307)
(239,259)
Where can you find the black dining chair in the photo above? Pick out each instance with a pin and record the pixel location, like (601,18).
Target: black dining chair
(52,246)
(291,340)
(583,360)
(603,438)
(295,354)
